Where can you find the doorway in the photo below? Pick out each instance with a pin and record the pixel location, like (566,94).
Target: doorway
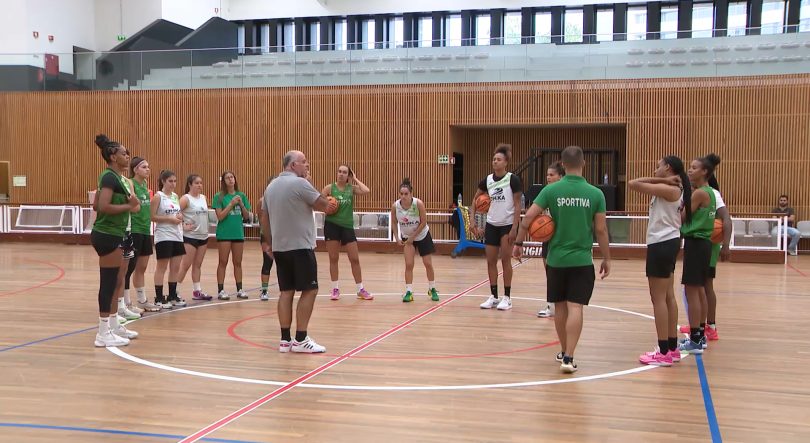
(458,178)
(5,181)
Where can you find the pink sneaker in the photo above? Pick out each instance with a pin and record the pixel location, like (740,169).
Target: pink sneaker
(335,294)
(656,359)
(199,295)
(676,354)
(364,295)
(685,329)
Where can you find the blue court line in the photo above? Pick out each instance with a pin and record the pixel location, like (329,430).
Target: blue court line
(714,428)
(46,339)
(109,431)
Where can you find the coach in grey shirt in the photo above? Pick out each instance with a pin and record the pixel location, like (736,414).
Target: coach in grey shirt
(288,225)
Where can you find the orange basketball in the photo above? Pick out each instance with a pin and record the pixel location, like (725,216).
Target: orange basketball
(333,205)
(717,234)
(542,228)
(482,203)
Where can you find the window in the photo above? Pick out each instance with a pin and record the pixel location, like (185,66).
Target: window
(368,32)
(573,25)
(512,28)
(604,25)
(396,31)
(702,20)
(425,32)
(483,26)
(315,36)
(804,16)
(265,43)
(773,16)
(453,31)
(737,18)
(288,36)
(669,22)
(542,27)
(637,23)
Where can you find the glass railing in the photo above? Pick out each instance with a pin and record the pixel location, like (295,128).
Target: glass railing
(536,58)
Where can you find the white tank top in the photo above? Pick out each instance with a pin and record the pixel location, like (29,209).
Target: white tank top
(196,213)
(665,220)
(408,220)
(501,201)
(168,207)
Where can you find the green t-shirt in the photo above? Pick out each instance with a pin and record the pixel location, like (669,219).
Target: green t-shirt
(142,220)
(113,224)
(702,223)
(572,203)
(345,213)
(230,227)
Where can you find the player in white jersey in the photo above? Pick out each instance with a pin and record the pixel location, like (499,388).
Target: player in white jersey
(504,190)
(169,247)
(412,232)
(194,208)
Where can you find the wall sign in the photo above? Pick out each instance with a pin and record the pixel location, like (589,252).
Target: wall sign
(19,180)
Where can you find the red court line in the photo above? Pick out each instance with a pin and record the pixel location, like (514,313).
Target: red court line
(800,272)
(61,274)
(278,392)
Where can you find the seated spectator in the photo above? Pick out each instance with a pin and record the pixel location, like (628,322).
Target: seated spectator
(784,210)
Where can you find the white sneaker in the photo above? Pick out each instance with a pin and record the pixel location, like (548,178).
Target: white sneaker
(135,309)
(308,346)
(223,295)
(792,252)
(241,294)
(122,320)
(284,346)
(490,303)
(547,313)
(109,340)
(164,304)
(505,304)
(123,332)
(127,314)
(264,297)
(148,306)
(178,302)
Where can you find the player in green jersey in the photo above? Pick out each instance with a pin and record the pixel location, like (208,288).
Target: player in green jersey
(232,208)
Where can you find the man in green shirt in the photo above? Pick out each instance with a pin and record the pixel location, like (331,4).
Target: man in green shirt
(579,211)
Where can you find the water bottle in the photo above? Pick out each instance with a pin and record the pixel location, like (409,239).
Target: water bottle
(458,199)
(523,202)
(606,178)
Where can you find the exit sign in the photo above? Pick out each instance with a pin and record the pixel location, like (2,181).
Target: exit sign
(444,159)
(122,38)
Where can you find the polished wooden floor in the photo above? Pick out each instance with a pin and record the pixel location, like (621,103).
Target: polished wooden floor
(429,382)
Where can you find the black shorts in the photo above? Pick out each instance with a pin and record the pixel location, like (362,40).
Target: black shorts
(713,272)
(195,242)
(105,244)
(297,270)
(128,247)
(169,249)
(335,232)
(238,240)
(494,234)
(574,284)
(142,244)
(544,249)
(697,256)
(425,246)
(661,258)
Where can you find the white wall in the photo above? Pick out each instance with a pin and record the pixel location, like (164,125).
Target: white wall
(70,22)
(136,15)
(255,9)
(14,33)
(191,13)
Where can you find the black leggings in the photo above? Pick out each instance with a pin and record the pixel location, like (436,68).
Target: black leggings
(133,263)
(267,264)
(108,277)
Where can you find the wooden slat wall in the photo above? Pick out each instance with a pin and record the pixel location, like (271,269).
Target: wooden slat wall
(759,125)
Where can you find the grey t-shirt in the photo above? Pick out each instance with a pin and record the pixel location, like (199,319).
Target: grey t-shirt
(289,200)
(788,211)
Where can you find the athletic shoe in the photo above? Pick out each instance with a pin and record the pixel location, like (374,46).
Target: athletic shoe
(308,346)
(122,320)
(676,355)
(792,252)
(364,295)
(546,313)
(223,295)
(685,329)
(149,306)
(408,297)
(491,302)
(690,347)
(505,304)
(560,356)
(200,295)
(335,294)
(568,365)
(265,296)
(127,314)
(284,346)
(123,332)
(241,294)
(711,333)
(109,340)
(703,342)
(177,302)
(163,303)
(656,359)
(434,295)
(135,309)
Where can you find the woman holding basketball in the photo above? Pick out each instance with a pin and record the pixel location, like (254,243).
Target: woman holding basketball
(504,191)
(169,247)
(413,234)
(338,228)
(232,208)
(194,208)
(663,246)
(554,173)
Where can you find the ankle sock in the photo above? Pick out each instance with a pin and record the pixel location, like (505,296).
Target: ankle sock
(285,334)
(663,346)
(300,336)
(220,287)
(673,343)
(493,289)
(239,286)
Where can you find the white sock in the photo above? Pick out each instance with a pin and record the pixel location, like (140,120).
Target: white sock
(198,287)
(141,294)
(103,325)
(121,304)
(711,325)
(408,288)
(432,284)
(359,287)
(113,321)
(127,301)
(334,285)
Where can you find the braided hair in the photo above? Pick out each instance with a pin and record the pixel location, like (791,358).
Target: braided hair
(108,147)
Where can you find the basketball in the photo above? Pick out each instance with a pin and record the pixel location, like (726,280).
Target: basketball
(717,234)
(482,203)
(541,228)
(333,205)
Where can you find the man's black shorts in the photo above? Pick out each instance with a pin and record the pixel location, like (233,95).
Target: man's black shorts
(697,258)
(661,258)
(335,232)
(297,270)
(574,284)
(494,234)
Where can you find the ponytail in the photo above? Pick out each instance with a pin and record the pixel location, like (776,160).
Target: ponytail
(676,164)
